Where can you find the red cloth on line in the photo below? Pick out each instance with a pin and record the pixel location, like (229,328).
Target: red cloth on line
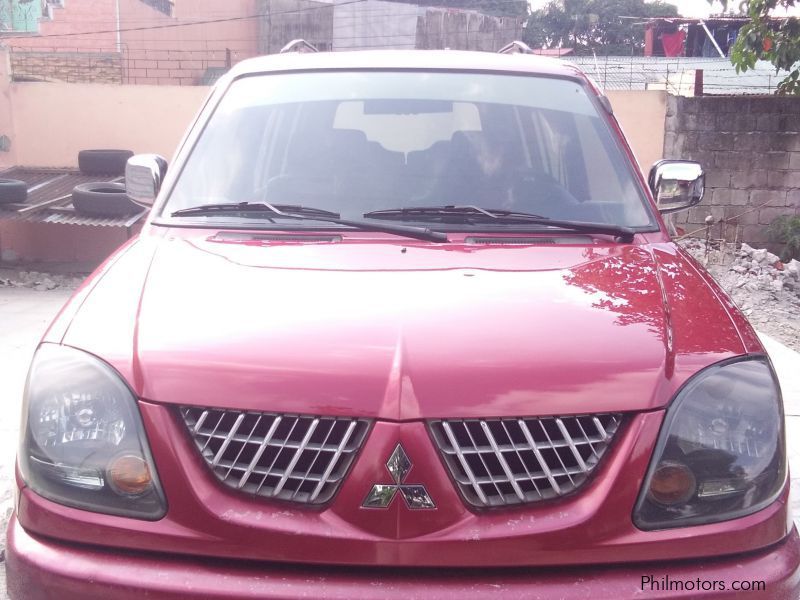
(673,43)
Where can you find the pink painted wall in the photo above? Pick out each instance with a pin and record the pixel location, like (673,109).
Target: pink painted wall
(7,159)
(54,121)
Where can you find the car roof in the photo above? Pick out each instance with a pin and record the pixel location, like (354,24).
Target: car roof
(446,60)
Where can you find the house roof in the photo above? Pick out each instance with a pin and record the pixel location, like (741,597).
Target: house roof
(648,72)
(719,20)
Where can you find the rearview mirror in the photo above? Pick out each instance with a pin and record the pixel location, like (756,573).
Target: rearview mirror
(143,176)
(677,184)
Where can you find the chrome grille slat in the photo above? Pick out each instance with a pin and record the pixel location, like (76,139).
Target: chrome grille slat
(551,478)
(513,447)
(281,447)
(259,452)
(333,462)
(504,462)
(463,461)
(298,458)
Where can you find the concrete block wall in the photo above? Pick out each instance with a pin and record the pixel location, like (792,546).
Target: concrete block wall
(750,149)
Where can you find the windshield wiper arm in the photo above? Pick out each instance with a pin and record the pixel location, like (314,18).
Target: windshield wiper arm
(470,212)
(284,210)
(305,213)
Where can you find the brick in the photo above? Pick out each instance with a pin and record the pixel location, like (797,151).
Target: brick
(716,141)
(751,142)
(718,178)
(731,161)
(788,105)
(158,55)
(157,73)
(784,179)
(764,198)
(770,160)
(749,178)
(679,217)
(145,64)
(697,214)
(720,196)
(736,122)
(169,64)
(785,142)
(793,199)
(687,122)
(767,105)
(740,197)
(767,123)
(738,215)
(192,64)
(794,161)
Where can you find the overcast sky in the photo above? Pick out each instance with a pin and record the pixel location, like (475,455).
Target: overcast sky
(688,8)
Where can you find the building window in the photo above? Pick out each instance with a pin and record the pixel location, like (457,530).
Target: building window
(20,15)
(164,6)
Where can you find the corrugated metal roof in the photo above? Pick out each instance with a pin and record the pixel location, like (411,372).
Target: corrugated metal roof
(50,198)
(68,216)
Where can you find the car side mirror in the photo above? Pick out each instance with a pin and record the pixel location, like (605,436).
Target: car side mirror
(677,184)
(144,174)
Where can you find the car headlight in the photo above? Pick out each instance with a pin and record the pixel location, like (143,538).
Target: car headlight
(721,453)
(82,443)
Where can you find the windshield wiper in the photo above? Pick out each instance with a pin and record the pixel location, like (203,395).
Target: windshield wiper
(470,213)
(305,213)
(287,210)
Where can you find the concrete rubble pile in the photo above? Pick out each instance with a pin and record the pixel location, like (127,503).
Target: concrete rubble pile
(766,289)
(40,282)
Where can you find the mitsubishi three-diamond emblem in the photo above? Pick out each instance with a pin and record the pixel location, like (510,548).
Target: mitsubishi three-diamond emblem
(382,494)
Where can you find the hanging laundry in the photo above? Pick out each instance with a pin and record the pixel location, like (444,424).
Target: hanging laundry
(673,43)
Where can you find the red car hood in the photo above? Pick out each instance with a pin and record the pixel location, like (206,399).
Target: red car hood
(376,327)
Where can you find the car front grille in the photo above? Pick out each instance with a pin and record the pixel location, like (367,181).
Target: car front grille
(505,462)
(297,458)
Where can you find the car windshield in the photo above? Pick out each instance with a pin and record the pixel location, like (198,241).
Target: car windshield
(357,142)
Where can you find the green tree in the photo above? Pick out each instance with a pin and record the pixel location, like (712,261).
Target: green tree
(601,26)
(764,38)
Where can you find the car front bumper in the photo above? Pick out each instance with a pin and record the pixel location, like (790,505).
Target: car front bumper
(42,568)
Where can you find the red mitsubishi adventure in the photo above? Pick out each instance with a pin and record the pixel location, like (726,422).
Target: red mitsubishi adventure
(403,325)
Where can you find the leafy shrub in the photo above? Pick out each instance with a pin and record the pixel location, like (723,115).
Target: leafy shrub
(786,230)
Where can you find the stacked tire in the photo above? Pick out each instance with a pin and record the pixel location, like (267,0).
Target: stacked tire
(13,191)
(103,199)
(103,162)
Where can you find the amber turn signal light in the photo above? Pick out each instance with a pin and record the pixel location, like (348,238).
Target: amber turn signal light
(128,475)
(672,483)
